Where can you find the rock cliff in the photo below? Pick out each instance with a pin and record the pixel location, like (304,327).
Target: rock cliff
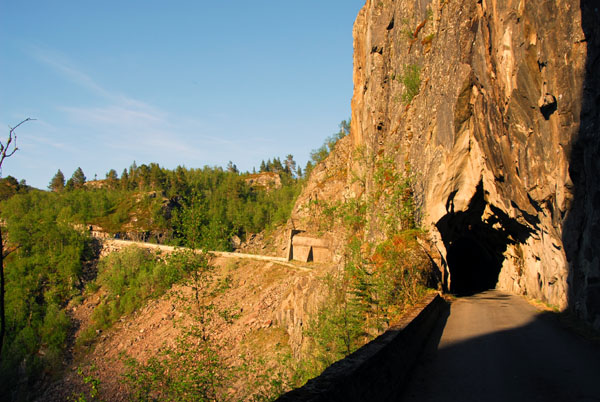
(494,106)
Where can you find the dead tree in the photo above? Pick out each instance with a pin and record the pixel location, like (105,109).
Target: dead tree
(7,149)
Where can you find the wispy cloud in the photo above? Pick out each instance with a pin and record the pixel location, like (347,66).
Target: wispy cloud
(116,115)
(122,125)
(120,108)
(61,64)
(138,124)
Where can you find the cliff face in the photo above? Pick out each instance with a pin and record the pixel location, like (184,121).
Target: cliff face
(501,134)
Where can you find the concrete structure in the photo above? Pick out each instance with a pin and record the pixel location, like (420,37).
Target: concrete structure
(305,248)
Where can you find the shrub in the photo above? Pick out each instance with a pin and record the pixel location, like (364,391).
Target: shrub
(380,277)
(411,79)
(131,277)
(191,371)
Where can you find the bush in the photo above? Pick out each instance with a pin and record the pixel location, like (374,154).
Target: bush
(411,79)
(191,371)
(380,277)
(131,277)
(42,275)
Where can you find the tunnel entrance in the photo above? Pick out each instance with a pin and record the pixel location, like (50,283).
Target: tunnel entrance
(475,241)
(473,267)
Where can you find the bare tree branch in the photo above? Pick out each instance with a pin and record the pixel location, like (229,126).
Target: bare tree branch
(5,149)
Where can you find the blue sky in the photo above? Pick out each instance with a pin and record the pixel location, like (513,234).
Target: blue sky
(189,83)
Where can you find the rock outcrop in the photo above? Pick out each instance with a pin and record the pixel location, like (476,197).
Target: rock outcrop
(494,105)
(329,183)
(265,180)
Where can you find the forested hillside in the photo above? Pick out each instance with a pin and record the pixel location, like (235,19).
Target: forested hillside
(50,251)
(51,259)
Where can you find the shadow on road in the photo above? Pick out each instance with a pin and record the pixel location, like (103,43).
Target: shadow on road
(540,360)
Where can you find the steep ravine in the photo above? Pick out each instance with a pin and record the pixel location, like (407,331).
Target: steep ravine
(502,137)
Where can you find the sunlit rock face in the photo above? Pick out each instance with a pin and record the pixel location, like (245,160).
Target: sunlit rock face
(502,136)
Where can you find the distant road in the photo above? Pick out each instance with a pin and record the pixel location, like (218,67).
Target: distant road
(497,347)
(119,244)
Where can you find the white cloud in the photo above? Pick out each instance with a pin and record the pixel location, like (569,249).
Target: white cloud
(125,127)
(115,115)
(59,63)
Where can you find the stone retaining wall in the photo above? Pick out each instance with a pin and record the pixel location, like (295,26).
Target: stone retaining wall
(378,370)
(112,245)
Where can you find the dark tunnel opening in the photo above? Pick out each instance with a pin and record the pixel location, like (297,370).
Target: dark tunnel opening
(476,240)
(473,268)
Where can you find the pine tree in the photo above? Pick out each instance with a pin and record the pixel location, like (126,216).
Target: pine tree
(132,170)
(309,167)
(112,175)
(290,164)
(112,178)
(58,182)
(124,180)
(277,165)
(77,180)
(157,177)
(143,177)
(232,168)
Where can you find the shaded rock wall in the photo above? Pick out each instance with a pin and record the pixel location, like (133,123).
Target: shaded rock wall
(502,136)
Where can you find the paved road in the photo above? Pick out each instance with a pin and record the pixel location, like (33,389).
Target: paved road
(496,347)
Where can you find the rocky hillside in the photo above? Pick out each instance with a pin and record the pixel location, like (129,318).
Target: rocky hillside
(262,308)
(493,106)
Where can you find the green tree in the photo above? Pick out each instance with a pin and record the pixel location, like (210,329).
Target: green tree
(232,168)
(290,164)
(9,186)
(58,182)
(156,177)
(143,176)
(7,149)
(344,129)
(308,168)
(124,180)
(112,178)
(277,165)
(192,370)
(77,180)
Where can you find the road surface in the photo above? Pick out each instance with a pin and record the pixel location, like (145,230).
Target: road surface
(497,347)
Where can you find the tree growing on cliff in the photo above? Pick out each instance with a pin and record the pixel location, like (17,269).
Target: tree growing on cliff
(411,79)
(7,149)
(318,155)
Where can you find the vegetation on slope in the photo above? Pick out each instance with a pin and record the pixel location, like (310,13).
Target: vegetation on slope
(385,269)
(43,272)
(52,254)
(52,251)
